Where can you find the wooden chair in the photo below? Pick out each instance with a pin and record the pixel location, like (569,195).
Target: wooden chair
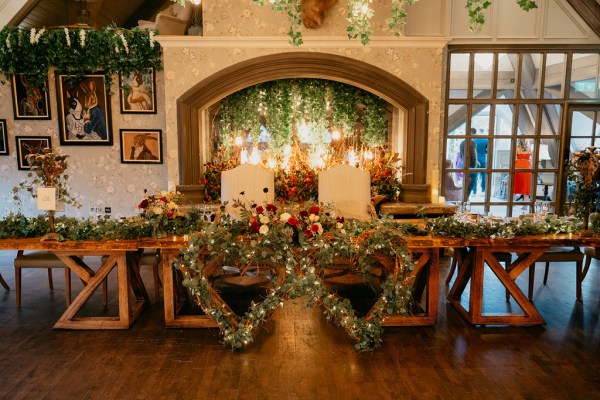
(348,189)
(559,254)
(590,252)
(40,259)
(250,180)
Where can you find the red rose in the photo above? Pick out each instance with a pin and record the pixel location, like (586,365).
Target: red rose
(314,210)
(314,228)
(292,221)
(260,210)
(143,204)
(271,207)
(307,232)
(170,213)
(304,213)
(255,226)
(163,199)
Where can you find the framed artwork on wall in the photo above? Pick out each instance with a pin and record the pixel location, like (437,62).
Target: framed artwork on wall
(83,110)
(137,92)
(30,145)
(141,146)
(29,102)
(3,138)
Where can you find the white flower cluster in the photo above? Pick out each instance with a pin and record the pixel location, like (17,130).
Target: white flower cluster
(82,37)
(124,41)
(67,37)
(8,41)
(151,38)
(34,35)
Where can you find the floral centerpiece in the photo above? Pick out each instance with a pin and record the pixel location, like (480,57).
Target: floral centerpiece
(159,209)
(584,170)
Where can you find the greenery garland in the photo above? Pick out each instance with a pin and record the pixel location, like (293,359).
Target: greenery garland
(76,52)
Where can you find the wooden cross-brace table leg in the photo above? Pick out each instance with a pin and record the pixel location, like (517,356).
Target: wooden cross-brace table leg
(426,267)
(472,269)
(128,276)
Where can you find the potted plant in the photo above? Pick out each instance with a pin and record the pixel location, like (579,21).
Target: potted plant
(584,171)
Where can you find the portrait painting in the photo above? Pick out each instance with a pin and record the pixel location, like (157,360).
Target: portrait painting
(83,110)
(30,145)
(29,102)
(141,146)
(3,138)
(137,92)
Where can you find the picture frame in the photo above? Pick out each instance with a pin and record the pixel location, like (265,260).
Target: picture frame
(3,138)
(137,92)
(28,145)
(84,117)
(141,146)
(29,102)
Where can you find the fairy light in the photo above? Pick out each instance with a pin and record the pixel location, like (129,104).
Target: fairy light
(244,156)
(336,135)
(351,157)
(238,141)
(254,157)
(272,163)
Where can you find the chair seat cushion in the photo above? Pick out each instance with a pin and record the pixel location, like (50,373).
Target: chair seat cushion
(38,259)
(562,254)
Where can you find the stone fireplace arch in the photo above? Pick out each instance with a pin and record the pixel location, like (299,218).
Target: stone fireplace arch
(191,104)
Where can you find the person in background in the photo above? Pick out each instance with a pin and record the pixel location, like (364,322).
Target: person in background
(472,163)
(522,184)
(482,152)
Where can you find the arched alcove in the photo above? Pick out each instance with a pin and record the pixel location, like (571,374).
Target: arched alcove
(302,65)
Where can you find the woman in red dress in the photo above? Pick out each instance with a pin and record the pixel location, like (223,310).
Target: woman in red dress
(522,184)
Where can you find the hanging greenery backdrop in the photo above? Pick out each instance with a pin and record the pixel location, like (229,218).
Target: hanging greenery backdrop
(283,106)
(76,52)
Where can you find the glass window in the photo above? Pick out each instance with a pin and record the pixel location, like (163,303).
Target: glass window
(483,75)
(554,76)
(459,75)
(502,151)
(551,119)
(531,76)
(457,117)
(584,76)
(507,75)
(548,154)
(499,189)
(503,121)
(527,119)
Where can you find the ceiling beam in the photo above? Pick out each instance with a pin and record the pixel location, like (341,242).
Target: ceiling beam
(589,10)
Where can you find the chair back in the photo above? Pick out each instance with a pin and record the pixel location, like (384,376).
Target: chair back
(348,188)
(249,179)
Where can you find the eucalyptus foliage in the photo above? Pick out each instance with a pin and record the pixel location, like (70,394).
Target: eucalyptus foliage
(76,52)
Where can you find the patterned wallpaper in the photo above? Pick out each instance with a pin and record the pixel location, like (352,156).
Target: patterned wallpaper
(98,178)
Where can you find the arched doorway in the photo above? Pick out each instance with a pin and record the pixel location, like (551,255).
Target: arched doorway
(190,106)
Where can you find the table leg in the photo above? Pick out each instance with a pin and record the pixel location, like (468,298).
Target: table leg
(3,283)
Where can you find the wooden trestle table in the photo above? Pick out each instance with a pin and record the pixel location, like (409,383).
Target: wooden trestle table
(476,253)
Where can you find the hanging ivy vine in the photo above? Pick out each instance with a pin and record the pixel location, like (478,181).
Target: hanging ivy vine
(76,52)
(319,103)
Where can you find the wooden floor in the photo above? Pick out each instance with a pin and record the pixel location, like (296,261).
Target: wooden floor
(299,355)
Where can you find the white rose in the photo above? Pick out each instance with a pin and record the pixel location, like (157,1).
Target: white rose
(320,231)
(172,206)
(263,229)
(339,225)
(312,217)
(264,219)
(284,217)
(343,231)
(157,210)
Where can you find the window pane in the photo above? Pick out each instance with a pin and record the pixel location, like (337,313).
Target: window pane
(551,116)
(582,123)
(503,119)
(499,189)
(527,119)
(483,75)
(459,75)
(530,76)
(584,76)
(555,76)
(453,154)
(502,151)
(457,117)
(546,182)
(521,210)
(453,189)
(498,211)
(579,144)
(507,76)
(548,154)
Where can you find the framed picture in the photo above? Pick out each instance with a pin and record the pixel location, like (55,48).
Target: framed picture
(138,92)
(141,146)
(29,102)
(3,138)
(83,110)
(30,145)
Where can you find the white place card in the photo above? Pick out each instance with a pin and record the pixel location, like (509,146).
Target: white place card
(46,198)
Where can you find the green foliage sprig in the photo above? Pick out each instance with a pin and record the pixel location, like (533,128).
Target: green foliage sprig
(584,170)
(76,52)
